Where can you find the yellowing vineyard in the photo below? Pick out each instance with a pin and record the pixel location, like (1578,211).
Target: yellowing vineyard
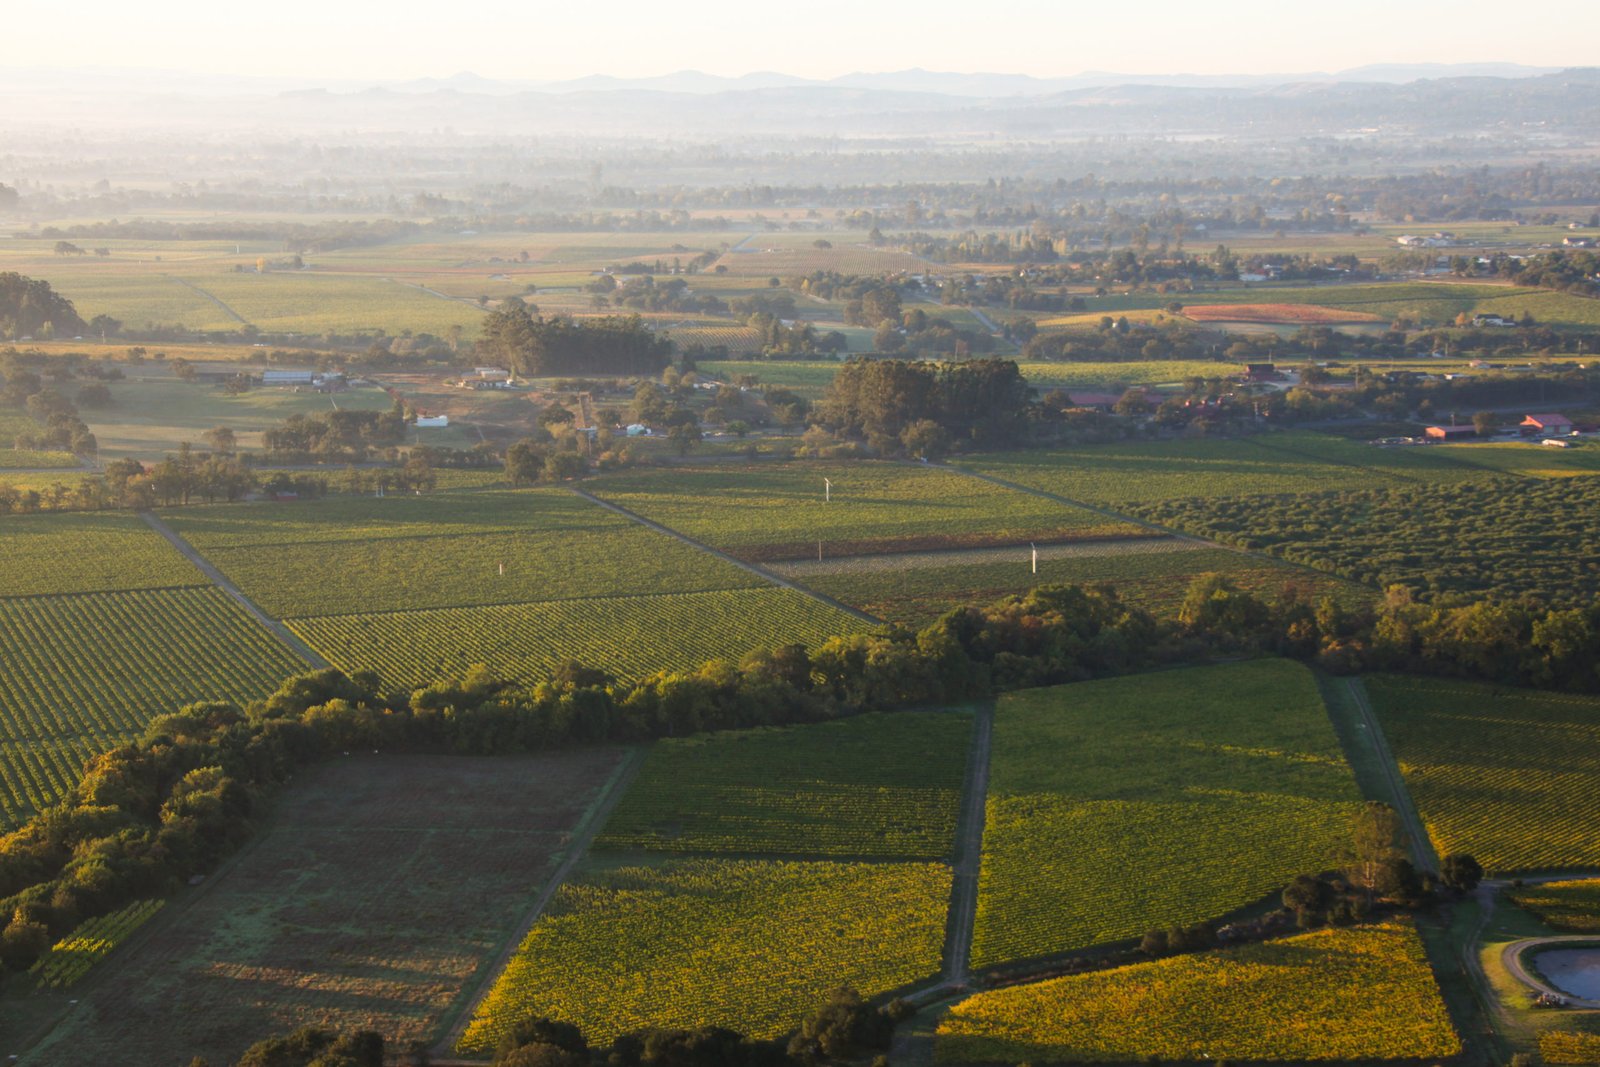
(749,945)
(1361,993)
(71,957)
(1573,906)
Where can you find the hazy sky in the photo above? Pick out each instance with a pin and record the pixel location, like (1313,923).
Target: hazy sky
(536,40)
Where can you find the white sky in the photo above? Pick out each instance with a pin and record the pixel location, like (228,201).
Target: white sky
(539,40)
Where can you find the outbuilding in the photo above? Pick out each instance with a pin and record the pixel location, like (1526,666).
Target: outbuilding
(1450,433)
(1547,424)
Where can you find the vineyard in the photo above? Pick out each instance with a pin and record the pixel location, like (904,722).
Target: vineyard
(541,547)
(1188,794)
(627,636)
(71,957)
(1570,906)
(373,897)
(1354,994)
(1291,314)
(87,553)
(1151,574)
(1510,776)
(1290,463)
(738,340)
(86,672)
(1569,1047)
(28,458)
(886,786)
(775,513)
(745,944)
(1501,538)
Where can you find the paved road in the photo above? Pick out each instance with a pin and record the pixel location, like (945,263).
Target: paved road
(969,853)
(279,630)
(760,572)
(583,836)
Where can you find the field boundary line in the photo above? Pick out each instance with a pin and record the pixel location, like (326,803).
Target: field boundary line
(583,834)
(968,865)
(277,629)
(213,298)
(760,572)
(524,603)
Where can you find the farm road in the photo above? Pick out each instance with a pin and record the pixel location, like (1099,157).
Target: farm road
(583,836)
(1422,853)
(969,852)
(898,561)
(760,572)
(214,299)
(279,630)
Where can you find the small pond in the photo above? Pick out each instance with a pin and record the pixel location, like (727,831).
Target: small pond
(1574,971)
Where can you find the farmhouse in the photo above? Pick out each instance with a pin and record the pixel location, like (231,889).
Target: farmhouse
(1545,424)
(1262,372)
(1449,433)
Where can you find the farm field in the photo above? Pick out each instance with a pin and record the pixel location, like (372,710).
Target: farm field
(1354,994)
(312,302)
(775,513)
(1530,459)
(1571,906)
(32,459)
(884,786)
(1500,537)
(915,589)
(1295,462)
(380,888)
(1189,794)
(86,672)
(629,636)
(810,378)
(71,958)
(83,552)
(1510,776)
(1292,314)
(745,944)
(364,554)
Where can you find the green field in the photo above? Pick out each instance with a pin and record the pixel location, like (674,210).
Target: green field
(629,637)
(1503,538)
(85,673)
(778,512)
(379,889)
(1125,805)
(1510,776)
(1297,462)
(750,945)
(1356,994)
(87,553)
(364,554)
(917,589)
(885,786)
(32,459)
(309,302)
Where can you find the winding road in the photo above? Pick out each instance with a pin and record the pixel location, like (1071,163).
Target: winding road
(1511,957)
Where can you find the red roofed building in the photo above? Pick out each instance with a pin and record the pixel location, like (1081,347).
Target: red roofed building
(1545,424)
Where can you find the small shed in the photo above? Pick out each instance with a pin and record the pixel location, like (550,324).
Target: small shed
(426,421)
(1449,433)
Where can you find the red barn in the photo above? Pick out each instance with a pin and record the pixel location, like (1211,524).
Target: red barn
(1545,424)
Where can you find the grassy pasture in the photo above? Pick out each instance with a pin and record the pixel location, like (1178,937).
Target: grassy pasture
(1354,994)
(771,513)
(744,944)
(377,892)
(1510,776)
(916,590)
(1188,794)
(81,552)
(84,673)
(886,786)
(630,636)
(365,554)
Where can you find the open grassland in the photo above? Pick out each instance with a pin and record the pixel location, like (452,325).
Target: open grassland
(916,589)
(1499,537)
(746,944)
(886,786)
(380,889)
(151,416)
(1511,776)
(629,636)
(1288,463)
(1571,906)
(774,513)
(1164,799)
(85,673)
(1362,994)
(365,554)
(86,553)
